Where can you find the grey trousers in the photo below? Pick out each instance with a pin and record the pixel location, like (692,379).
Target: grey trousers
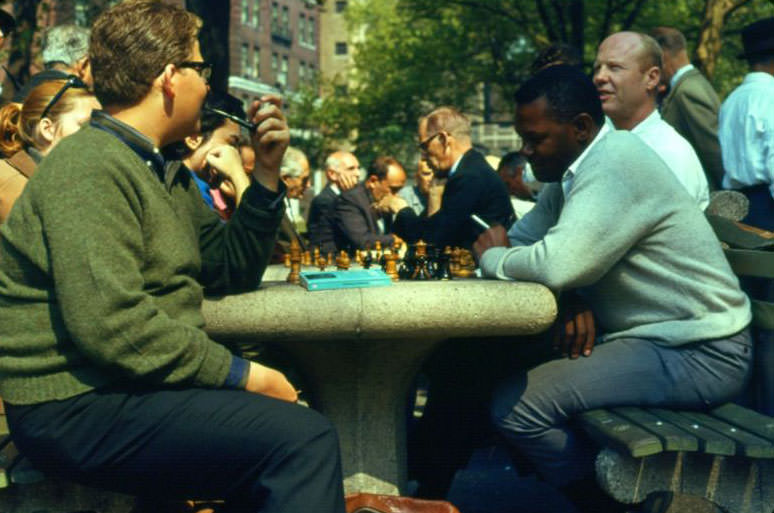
(534,408)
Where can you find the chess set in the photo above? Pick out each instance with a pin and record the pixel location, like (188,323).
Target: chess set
(420,261)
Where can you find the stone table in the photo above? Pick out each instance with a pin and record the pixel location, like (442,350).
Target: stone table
(359,350)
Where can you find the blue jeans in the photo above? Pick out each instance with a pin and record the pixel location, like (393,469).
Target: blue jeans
(534,408)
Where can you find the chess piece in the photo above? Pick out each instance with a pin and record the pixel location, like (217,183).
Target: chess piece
(378,247)
(287,260)
(330,258)
(391,264)
(321,261)
(367,260)
(342,261)
(358,257)
(443,271)
(467,266)
(306,258)
(316,254)
(421,270)
(295,262)
(454,263)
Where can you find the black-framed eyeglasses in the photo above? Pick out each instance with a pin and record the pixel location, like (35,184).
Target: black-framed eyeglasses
(203,68)
(422,145)
(72,81)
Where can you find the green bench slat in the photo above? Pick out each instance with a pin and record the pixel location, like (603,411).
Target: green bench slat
(747,444)
(748,420)
(750,262)
(672,437)
(710,441)
(614,430)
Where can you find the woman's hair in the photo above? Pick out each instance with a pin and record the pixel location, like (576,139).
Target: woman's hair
(18,123)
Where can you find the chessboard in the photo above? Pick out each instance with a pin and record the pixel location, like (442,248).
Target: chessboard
(419,261)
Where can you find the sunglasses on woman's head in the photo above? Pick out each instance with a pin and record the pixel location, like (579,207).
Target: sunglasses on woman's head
(72,81)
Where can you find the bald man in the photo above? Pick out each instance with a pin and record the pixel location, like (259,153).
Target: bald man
(627,71)
(342,170)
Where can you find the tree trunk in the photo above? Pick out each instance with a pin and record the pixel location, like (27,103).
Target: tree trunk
(710,36)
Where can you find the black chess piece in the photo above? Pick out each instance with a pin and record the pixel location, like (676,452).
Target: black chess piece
(443,269)
(367,259)
(407,265)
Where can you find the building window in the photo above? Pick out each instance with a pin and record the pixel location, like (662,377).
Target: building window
(341,5)
(310,29)
(256,62)
(302,28)
(256,13)
(275,67)
(274,17)
(283,74)
(285,20)
(301,73)
(243,61)
(81,13)
(341,48)
(245,17)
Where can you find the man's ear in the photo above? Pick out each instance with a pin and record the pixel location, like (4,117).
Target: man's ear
(165,80)
(81,66)
(371,181)
(583,125)
(192,142)
(652,78)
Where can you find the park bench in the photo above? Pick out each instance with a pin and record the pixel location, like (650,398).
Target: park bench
(690,461)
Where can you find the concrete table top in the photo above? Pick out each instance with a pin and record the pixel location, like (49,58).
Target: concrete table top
(359,349)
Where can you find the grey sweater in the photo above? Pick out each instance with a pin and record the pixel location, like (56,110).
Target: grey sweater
(628,234)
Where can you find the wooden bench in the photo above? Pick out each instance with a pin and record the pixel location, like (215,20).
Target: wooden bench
(696,461)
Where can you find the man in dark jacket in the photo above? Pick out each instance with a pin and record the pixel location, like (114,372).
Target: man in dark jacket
(106,373)
(342,171)
(472,186)
(358,223)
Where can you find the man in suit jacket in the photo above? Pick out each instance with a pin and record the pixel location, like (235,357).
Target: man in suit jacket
(358,225)
(343,171)
(472,186)
(692,105)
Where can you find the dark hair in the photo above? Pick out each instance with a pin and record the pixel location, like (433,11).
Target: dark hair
(380,166)
(555,54)
(670,39)
(567,90)
(510,162)
(132,42)
(209,122)
(221,101)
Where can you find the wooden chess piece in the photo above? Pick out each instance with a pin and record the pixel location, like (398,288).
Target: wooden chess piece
(306,258)
(287,260)
(330,258)
(421,270)
(367,259)
(443,272)
(316,254)
(321,261)
(391,264)
(467,267)
(454,263)
(378,248)
(342,261)
(295,262)
(358,257)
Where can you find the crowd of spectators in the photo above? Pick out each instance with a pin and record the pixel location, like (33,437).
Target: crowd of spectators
(128,188)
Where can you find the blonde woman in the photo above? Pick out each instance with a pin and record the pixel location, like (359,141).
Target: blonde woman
(53,110)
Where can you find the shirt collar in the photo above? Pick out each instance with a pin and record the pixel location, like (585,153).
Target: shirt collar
(135,140)
(572,171)
(759,77)
(335,189)
(679,73)
(456,165)
(643,125)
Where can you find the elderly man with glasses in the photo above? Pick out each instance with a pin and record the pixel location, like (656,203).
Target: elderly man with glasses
(472,186)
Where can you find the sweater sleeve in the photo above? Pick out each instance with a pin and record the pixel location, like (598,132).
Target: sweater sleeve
(93,232)
(235,254)
(590,236)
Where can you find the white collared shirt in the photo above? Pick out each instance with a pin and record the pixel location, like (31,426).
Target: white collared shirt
(679,73)
(569,176)
(456,165)
(746,133)
(677,153)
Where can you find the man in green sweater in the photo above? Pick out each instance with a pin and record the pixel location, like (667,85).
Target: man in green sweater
(107,375)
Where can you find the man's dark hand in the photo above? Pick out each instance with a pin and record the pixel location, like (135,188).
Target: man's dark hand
(574,331)
(496,236)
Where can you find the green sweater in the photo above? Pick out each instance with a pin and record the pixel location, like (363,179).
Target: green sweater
(102,266)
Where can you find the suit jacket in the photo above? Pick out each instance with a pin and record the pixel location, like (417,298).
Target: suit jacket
(692,108)
(474,188)
(322,222)
(356,221)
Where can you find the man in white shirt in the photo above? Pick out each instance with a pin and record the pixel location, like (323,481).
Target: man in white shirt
(747,127)
(627,71)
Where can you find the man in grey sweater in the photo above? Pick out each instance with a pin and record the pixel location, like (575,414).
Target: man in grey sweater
(611,227)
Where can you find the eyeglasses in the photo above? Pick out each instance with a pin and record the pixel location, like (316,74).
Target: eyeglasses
(203,68)
(72,81)
(422,145)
